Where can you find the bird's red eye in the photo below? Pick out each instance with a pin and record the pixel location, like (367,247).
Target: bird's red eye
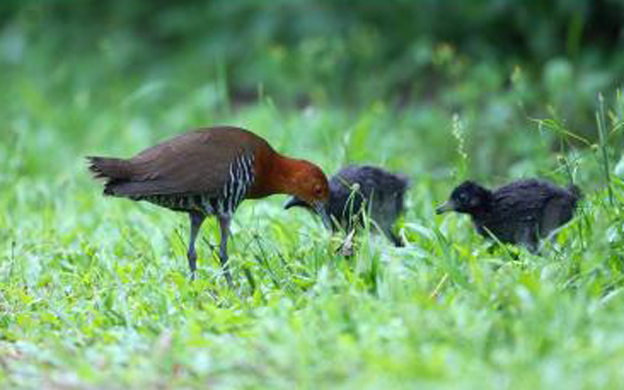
(318,190)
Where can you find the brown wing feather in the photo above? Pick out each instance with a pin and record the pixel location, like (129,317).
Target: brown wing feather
(192,163)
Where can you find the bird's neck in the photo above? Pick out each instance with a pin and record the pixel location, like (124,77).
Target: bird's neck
(275,174)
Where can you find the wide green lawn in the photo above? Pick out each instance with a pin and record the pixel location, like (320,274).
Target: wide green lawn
(94,291)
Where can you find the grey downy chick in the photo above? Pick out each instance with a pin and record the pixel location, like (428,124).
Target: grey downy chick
(522,212)
(356,191)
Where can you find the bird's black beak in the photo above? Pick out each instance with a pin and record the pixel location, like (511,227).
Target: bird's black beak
(318,207)
(449,205)
(293,201)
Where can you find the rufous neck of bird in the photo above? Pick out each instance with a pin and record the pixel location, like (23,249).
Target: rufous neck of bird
(278,174)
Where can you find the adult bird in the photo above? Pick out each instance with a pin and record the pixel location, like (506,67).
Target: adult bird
(207,172)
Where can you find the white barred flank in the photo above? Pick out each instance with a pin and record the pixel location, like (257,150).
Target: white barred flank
(240,178)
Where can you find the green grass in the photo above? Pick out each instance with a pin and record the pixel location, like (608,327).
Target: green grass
(94,292)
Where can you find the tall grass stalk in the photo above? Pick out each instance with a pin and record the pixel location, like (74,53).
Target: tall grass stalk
(602,134)
(458,134)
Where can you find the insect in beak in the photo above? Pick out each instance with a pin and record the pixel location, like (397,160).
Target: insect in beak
(319,207)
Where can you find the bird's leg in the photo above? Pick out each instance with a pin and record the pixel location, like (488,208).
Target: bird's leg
(533,247)
(527,237)
(196,221)
(396,240)
(224,227)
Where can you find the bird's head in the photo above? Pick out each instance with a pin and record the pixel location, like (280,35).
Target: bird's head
(469,197)
(310,190)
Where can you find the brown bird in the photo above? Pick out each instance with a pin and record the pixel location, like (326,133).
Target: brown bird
(211,171)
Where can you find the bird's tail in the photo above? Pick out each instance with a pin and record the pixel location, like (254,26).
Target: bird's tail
(113,170)
(405,181)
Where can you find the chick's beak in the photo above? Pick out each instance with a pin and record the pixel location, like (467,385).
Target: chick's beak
(319,207)
(449,205)
(293,201)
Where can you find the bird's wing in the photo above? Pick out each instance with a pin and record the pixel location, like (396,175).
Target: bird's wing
(557,211)
(544,205)
(193,163)
(521,199)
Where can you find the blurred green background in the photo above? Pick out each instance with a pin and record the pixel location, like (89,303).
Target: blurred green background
(404,65)
(94,291)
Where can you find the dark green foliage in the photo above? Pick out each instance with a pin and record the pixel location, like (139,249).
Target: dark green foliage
(326,49)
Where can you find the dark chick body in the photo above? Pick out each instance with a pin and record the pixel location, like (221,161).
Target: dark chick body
(522,212)
(209,172)
(356,191)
